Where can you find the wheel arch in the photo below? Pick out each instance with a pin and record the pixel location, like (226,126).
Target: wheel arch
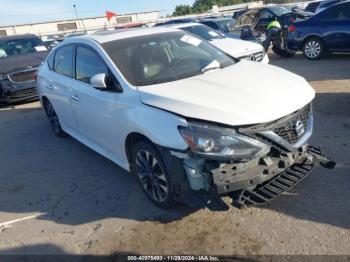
(131,140)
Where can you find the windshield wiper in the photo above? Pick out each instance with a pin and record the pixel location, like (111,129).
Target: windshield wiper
(206,69)
(211,66)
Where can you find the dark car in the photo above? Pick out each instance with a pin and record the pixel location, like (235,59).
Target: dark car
(20,56)
(259,18)
(176,21)
(327,31)
(311,7)
(221,24)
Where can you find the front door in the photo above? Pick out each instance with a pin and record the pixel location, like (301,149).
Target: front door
(95,110)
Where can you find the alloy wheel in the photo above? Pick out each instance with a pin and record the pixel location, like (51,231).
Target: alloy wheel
(313,49)
(151,176)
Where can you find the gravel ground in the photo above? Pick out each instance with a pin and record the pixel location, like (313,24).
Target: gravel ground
(59,197)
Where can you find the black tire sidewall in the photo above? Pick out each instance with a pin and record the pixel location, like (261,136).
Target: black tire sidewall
(321,45)
(146,145)
(60,133)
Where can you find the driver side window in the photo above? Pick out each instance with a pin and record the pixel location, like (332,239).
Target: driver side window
(88,64)
(266,15)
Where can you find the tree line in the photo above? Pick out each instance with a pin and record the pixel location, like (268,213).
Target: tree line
(200,6)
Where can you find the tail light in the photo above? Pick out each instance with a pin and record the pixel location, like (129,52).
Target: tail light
(292,28)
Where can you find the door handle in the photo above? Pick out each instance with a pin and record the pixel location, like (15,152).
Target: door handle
(76,98)
(49,86)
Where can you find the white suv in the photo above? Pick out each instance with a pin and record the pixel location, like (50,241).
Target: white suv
(188,120)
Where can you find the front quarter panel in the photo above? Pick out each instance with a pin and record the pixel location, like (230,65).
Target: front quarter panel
(159,126)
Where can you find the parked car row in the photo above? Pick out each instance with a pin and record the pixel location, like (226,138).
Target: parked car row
(314,34)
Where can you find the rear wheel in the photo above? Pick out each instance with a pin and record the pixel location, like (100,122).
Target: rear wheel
(313,48)
(53,119)
(152,174)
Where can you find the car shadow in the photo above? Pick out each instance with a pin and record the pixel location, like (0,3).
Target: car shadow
(330,67)
(324,195)
(63,180)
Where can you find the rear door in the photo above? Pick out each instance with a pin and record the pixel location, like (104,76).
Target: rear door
(265,17)
(59,83)
(335,27)
(95,110)
(247,19)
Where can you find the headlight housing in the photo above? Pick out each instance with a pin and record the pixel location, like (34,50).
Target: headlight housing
(214,142)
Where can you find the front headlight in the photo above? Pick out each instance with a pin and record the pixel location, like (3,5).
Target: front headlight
(221,143)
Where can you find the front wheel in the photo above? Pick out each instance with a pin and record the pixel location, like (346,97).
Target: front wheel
(313,48)
(152,174)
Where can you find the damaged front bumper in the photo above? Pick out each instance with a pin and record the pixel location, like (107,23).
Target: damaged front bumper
(257,181)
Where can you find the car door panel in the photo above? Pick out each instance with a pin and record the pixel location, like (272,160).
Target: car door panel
(95,110)
(334,26)
(59,85)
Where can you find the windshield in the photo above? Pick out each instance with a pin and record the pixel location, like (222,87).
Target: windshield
(226,24)
(279,10)
(20,46)
(203,31)
(164,57)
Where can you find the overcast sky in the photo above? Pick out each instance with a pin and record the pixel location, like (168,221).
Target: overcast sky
(31,11)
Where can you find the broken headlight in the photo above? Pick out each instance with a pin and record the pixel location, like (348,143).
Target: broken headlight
(221,143)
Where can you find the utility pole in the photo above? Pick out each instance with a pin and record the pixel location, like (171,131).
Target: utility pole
(76,14)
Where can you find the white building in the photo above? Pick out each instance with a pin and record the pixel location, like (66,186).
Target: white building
(84,24)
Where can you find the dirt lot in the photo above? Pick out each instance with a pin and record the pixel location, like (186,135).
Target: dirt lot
(59,197)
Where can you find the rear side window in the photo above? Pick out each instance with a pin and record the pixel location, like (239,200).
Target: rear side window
(50,60)
(63,63)
(88,64)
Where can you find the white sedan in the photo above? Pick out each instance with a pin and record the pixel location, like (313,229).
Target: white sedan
(234,47)
(188,120)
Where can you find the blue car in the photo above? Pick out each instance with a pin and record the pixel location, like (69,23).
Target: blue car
(327,31)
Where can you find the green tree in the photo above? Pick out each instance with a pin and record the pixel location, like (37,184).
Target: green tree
(182,10)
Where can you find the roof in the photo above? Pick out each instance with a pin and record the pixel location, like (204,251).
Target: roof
(220,18)
(107,36)
(15,37)
(179,26)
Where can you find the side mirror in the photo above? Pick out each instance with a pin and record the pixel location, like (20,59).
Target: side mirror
(98,81)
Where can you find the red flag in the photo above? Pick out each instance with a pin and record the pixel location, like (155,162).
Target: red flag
(110,14)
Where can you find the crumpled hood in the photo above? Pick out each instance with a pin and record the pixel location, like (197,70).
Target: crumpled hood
(245,93)
(20,62)
(235,47)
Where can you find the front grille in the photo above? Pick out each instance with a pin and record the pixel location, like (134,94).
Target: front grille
(22,76)
(258,57)
(23,93)
(289,130)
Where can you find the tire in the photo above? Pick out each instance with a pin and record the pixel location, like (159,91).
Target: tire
(281,52)
(313,48)
(53,119)
(153,174)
